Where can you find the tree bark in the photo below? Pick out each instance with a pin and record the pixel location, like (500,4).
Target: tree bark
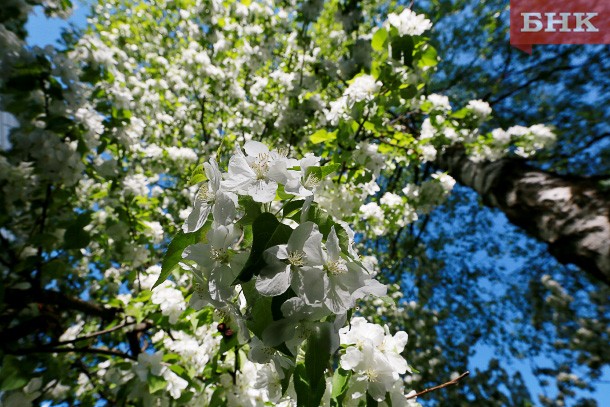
(571,214)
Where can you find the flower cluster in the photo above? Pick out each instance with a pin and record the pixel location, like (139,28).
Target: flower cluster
(320,273)
(409,23)
(374,357)
(276,267)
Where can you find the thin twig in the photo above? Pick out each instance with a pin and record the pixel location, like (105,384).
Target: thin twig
(98,333)
(95,351)
(440,386)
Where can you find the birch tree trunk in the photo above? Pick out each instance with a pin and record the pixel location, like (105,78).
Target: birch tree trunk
(571,214)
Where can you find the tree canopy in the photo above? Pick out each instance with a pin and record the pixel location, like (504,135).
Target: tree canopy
(254,202)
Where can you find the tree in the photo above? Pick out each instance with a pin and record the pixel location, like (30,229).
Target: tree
(569,213)
(144,116)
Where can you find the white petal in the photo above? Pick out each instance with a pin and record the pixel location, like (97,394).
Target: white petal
(332,245)
(311,284)
(221,278)
(273,280)
(314,255)
(308,161)
(306,207)
(279,173)
(338,301)
(254,148)
(351,359)
(263,191)
(274,253)
(224,209)
(300,235)
(199,253)
(213,173)
(371,287)
(197,217)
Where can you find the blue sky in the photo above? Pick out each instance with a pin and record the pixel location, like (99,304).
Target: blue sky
(47,31)
(44,31)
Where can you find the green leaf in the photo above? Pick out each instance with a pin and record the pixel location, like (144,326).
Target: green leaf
(340,385)
(388,400)
(402,49)
(460,114)
(179,370)
(267,231)
(328,169)
(176,247)
(252,210)
(155,383)
(260,314)
(196,179)
(11,375)
(13,382)
(75,236)
(217,399)
(197,176)
(292,209)
(371,402)
(317,356)
(301,386)
(322,136)
(320,217)
(379,38)
(282,195)
(408,92)
(429,57)
(310,383)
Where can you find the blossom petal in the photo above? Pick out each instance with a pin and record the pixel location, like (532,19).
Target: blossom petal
(312,284)
(332,245)
(263,191)
(197,217)
(300,235)
(273,280)
(213,173)
(274,253)
(224,209)
(314,255)
(254,148)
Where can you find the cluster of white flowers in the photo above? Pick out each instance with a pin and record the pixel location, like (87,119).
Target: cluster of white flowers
(362,89)
(136,184)
(392,213)
(522,141)
(374,357)
(439,102)
(409,23)
(181,153)
(198,349)
(480,108)
(170,300)
(151,363)
(368,155)
(325,279)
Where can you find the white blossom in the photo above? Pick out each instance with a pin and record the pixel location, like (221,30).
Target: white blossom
(409,23)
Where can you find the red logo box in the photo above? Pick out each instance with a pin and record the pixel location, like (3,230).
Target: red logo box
(559,22)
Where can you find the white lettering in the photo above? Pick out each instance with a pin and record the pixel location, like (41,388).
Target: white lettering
(551,22)
(528,20)
(580,22)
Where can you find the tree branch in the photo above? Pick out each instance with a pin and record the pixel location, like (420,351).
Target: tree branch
(440,386)
(94,351)
(20,298)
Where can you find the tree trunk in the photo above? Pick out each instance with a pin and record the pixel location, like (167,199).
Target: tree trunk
(570,214)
